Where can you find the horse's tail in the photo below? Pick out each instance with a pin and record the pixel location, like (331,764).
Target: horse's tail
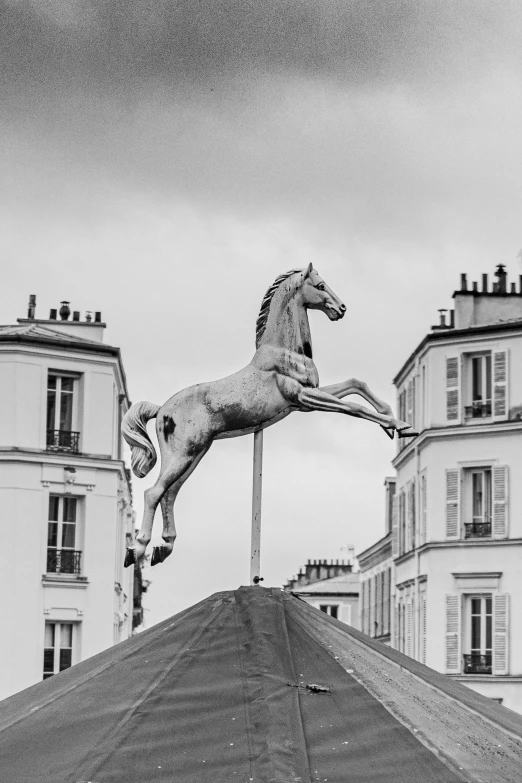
(134,430)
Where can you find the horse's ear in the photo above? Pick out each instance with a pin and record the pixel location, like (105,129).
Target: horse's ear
(308,271)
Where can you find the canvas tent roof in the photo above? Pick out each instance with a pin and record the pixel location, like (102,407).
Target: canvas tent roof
(255,685)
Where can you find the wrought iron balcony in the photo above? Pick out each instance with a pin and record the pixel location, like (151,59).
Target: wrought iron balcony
(477,530)
(63,440)
(64,561)
(476,663)
(478,410)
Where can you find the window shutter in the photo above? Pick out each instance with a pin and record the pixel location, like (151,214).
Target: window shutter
(423,628)
(409,412)
(423,530)
(371,585)
(365,607)
(500,377)
(395,525)
(396,630)
(452,503)
(413,392)
(500,633)
(378,628)
(453,634)
(453,389)
(408,630)
(386,602)
(411,515)
(500,502)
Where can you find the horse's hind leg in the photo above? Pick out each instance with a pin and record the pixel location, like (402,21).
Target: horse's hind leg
(175,467)
(159,553)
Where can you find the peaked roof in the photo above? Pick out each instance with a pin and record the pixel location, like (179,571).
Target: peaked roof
(255,685)
(43,334)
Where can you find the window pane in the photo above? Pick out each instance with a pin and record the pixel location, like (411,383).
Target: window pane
(52,534)
(475,633)
(333,611)
(66,635)
(67,385)
(69,509)
(51,381)
(476,378)
(48,664)
(489,605)
(65,659)
(51,410)
(54,502)
(475,606)
(477,496)
(49,635)
(68,535)
(66,403)
(324,608)
(488,377)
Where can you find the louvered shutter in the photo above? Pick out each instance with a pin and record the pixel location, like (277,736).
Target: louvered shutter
(409,412)
(423,515)
(409,639)
(365,624)
(500,384)
(411,515)
(379,630)
(453,389)
(371,585)
(395,525)
(386,602)
(453,634)
(423,628)
(452,503)
(500,501)
(396,629)
(500,633)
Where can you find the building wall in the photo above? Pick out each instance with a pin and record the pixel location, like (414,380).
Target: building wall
(99,600)
(348,607)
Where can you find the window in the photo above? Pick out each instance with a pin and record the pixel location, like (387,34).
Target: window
(479,493)
(478,659)
(330,609)
(480,387)
(63,557)
(61,400)
(58,647)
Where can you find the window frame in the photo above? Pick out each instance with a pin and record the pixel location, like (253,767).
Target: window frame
(60,532)
(474,412)
(57,646)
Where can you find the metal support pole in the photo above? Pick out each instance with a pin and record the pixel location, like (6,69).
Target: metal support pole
(255,547)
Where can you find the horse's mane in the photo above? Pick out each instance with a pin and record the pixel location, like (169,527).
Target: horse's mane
(262,318)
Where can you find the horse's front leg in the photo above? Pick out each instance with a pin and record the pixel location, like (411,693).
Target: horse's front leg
(355,386)
(321,400)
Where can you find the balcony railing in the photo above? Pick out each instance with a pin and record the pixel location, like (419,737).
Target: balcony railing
(478,410)
(64,561)
(63,440)
(476,663)
(477,530)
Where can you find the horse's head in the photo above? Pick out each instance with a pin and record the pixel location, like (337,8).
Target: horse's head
(317,295)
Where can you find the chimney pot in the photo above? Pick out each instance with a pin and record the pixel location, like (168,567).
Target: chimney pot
(502,278)
(452,319)
(97,317)
(484,284)
(65,310)
(32,306)
(475,286)
(88,316)
(76,315)
(52,315)
(513,288)
(443,317)
(463,282)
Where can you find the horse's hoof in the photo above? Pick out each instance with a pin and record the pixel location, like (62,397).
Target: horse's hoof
(159,553)
(409,433)
(130,557)
(389,433)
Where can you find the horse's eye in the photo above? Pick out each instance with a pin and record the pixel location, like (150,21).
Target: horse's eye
(320,287)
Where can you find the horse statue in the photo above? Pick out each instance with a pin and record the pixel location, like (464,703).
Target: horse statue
(281,378)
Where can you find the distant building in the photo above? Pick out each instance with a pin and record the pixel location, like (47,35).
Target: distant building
(457,512)
(65,496)
(376,566)
(331,587)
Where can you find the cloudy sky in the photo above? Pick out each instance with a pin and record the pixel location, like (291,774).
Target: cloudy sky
(164,161)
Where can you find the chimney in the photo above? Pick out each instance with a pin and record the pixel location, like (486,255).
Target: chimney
(452,319)
(463,282)
(475,287)
(502,278)
(76,315)
(32,306)
(97,317)
(65,310)
(484,283)
(52,315)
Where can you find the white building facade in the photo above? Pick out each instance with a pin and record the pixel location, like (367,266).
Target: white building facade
(65,497)
(457,510)
(330,586)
